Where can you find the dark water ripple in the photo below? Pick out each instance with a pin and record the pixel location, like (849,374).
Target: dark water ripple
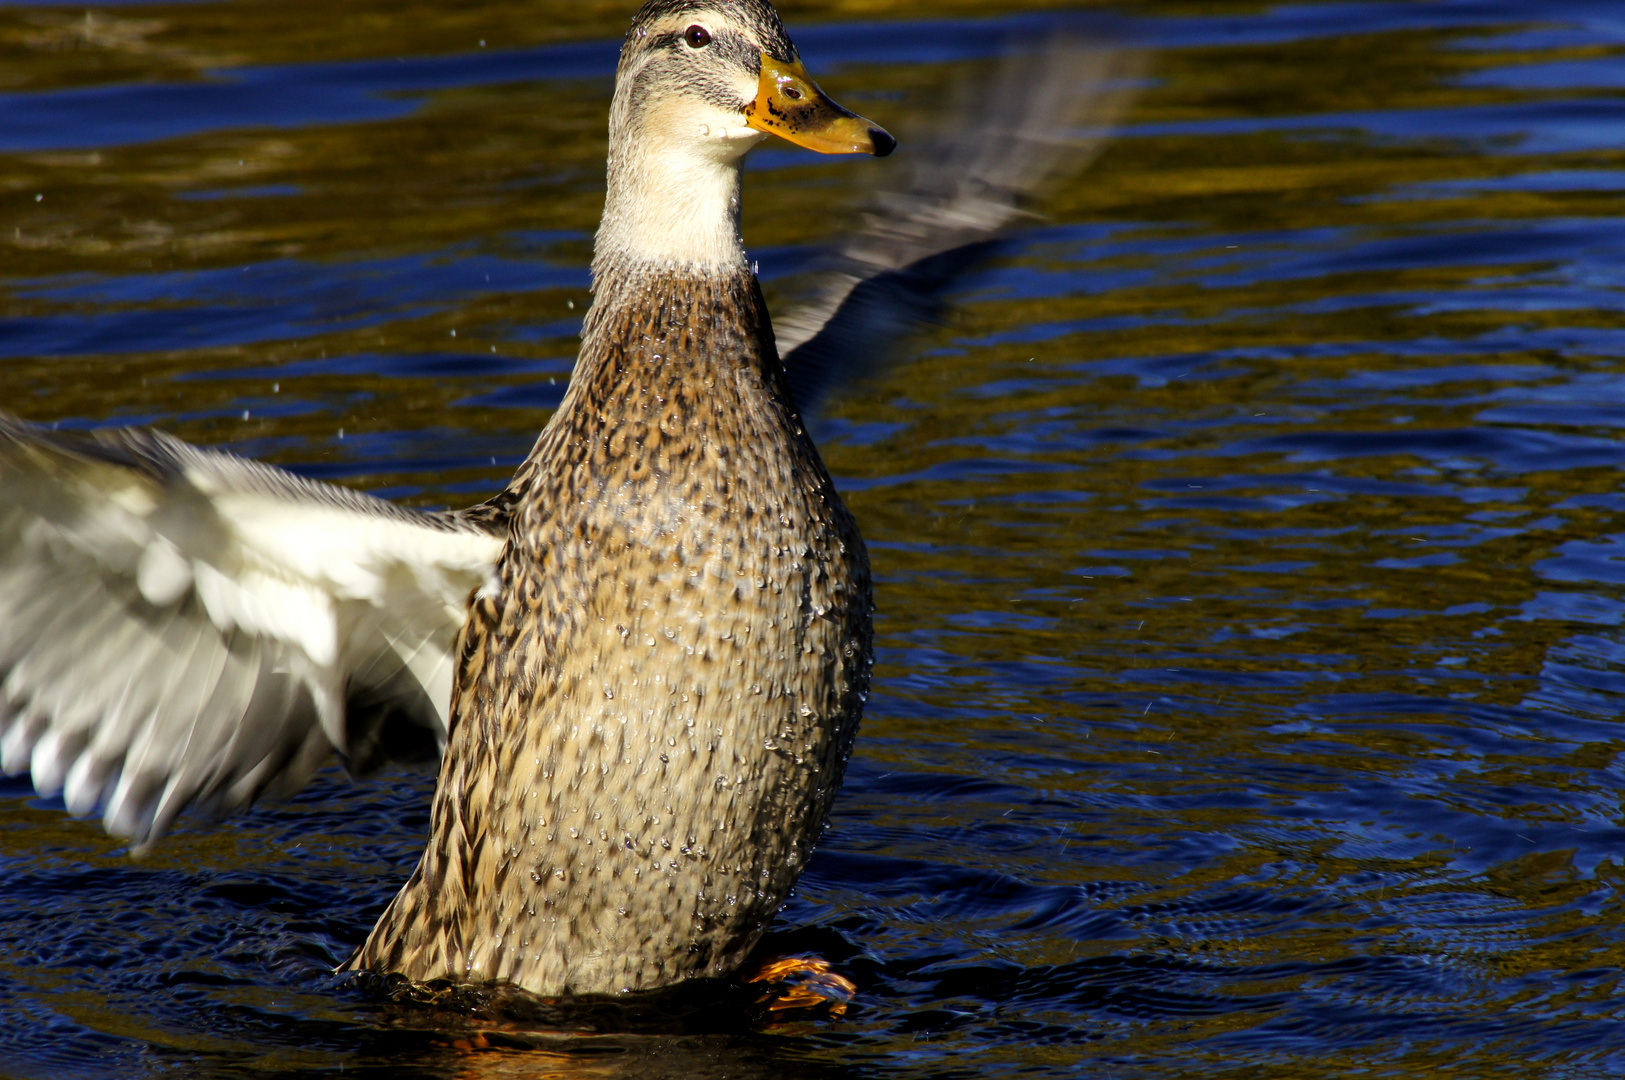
(1252,579)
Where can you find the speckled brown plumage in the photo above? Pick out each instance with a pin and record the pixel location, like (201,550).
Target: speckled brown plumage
(656,698)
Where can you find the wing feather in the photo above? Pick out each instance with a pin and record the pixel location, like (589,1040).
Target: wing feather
(1041,118)
(183,628)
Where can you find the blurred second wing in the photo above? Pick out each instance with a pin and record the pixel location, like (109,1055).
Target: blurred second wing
(1041,117)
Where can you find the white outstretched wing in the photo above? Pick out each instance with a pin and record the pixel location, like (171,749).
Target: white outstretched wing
(183,627)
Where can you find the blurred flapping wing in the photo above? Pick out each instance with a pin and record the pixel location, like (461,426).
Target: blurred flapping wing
(1042,117)
(182,627)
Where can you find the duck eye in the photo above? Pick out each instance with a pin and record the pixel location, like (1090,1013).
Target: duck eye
(698,37)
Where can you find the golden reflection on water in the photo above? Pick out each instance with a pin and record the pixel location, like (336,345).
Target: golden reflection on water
(52,47)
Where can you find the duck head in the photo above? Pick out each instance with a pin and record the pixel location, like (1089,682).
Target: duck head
(700,82)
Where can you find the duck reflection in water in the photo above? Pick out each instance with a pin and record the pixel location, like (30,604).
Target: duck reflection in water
(641,665)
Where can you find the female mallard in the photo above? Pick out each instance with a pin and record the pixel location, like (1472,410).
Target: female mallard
(657,682)
(661,626)
(656,695)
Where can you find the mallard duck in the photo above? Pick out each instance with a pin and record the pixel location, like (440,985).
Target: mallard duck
(656,692)
(641,665)
(654,689)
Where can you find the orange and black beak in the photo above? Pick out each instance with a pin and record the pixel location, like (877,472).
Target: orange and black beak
(789,104)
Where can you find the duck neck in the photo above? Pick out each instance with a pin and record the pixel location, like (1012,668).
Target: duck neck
(675,309)
(673,195)
(670,280)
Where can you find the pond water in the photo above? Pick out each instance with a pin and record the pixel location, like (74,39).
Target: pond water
(1250,559)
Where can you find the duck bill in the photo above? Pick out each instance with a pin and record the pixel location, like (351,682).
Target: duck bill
(790,105)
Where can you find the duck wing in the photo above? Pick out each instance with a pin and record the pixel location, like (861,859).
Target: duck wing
(182,627)
(1042,116)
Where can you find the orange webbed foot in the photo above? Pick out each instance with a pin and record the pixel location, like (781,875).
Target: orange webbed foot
(802,982)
